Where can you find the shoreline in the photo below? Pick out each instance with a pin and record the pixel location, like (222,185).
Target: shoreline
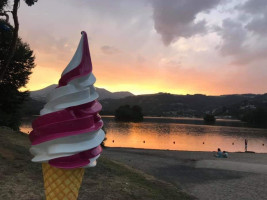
(254,156)
(247,152)
(181,120)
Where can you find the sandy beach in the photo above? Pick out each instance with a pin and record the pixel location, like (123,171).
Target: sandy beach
(241,176)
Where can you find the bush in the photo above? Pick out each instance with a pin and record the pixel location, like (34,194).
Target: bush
(257,118)
(208,118)
(10,104)
(127,113)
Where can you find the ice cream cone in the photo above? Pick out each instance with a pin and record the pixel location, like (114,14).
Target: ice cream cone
(66,137)
(62,184)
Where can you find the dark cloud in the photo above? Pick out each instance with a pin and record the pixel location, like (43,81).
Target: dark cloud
(257,9)
(233,36)
(176,18)
(245,40)
(109,50)
(237,43)
(253,6)
(258,26)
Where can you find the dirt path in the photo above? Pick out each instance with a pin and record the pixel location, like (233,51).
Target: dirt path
(241,176)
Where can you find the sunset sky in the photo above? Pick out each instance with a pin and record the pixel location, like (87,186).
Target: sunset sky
(211,47)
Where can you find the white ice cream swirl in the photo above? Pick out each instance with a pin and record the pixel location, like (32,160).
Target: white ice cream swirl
(77,91)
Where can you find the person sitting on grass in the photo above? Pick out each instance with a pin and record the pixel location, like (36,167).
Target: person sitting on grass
(225,154)
(219,153)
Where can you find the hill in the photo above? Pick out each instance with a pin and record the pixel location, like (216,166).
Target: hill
(105,94)
(40,95)
(164,104)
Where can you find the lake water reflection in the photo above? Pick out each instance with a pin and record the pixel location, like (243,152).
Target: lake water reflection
(181,134)
(173,135)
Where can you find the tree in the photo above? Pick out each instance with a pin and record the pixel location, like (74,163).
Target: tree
(256,118)
(10,103)
(22,62)
(127,113)
(209,118)
(16,76)
(137,113)
(4,67)
(3,4)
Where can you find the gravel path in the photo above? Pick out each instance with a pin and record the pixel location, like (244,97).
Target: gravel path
(241,176)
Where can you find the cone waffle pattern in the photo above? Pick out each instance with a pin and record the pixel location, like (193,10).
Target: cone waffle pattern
(62,184)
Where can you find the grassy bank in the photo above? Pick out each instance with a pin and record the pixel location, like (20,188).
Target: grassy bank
(22,179)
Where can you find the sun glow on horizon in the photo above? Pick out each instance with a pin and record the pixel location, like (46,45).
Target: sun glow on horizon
(140,90)
(132,88)
(41,77)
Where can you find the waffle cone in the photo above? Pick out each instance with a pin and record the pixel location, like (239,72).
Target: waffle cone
(62,184)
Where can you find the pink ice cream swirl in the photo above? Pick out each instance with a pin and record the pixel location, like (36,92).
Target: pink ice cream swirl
(68,133)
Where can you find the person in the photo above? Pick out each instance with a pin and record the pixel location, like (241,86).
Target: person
(225,154)
(219,153)
(246,145)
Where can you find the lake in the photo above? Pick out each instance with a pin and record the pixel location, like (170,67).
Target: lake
(190,134)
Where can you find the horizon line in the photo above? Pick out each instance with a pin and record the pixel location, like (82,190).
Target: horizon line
(135,94)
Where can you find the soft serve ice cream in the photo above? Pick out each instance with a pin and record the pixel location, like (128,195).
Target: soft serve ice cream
(68,133)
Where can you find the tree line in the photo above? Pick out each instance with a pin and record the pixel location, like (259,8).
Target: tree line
(16,62)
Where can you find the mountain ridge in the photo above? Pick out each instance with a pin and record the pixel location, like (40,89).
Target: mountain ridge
(166,104)
(40,95)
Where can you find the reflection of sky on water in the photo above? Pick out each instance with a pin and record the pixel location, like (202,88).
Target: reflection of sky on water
(165,134)
(175,136)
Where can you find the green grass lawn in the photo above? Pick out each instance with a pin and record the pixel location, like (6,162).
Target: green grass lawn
(21,179)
